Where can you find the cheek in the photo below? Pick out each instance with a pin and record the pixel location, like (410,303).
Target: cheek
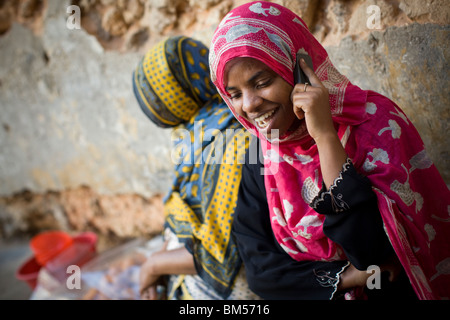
(236,107)
(286,92)
(283,97)
(281,92)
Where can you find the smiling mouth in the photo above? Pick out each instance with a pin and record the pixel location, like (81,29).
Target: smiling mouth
(263,121)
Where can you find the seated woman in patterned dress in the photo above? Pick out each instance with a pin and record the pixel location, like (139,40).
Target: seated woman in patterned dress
(200,261)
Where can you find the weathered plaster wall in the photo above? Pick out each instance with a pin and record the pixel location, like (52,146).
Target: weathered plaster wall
(409,64)
(77,153)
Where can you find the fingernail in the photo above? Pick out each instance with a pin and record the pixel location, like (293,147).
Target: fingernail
(303,60)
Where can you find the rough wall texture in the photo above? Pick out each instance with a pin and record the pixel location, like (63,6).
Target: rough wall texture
(77,152)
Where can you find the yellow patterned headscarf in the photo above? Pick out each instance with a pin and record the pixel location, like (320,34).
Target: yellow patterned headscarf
(200,207)
(172,81)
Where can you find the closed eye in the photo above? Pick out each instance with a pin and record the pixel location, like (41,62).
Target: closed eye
(234,96)
(263,83)
(259,80)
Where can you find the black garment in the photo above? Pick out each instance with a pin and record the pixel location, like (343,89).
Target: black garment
(271,272)
(352,220)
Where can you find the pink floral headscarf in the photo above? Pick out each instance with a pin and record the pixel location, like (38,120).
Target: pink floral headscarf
(379,139)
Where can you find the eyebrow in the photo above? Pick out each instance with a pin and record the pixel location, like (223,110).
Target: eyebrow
(252,79)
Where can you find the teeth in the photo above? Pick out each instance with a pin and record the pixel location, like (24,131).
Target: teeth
(262,124)
(261,120)
(265,116)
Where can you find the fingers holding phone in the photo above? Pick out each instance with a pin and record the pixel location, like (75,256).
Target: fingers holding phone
(310,99)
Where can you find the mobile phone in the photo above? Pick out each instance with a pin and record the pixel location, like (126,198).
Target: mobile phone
(299,75)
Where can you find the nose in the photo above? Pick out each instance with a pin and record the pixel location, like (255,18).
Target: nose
(250,102)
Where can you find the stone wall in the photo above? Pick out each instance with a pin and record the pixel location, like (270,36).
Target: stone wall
(78,154)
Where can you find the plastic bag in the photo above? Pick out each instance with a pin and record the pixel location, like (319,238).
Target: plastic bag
(114,274)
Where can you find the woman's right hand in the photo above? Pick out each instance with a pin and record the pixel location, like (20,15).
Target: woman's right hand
(312,103)
(149,279)
(161,263)
(148,282)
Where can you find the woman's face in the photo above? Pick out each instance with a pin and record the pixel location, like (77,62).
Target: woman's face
(261,96)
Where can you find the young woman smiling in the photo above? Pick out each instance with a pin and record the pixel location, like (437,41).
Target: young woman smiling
(353,182)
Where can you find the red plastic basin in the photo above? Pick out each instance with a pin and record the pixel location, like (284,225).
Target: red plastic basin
(82,248)
(49,244)
(81,251)
(29,272)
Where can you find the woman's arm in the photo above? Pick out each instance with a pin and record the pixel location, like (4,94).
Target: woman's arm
(311,102)
(332,157)
(164,262)
(352,216)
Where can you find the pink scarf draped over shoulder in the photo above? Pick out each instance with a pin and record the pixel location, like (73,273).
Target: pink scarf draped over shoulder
(380,140)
